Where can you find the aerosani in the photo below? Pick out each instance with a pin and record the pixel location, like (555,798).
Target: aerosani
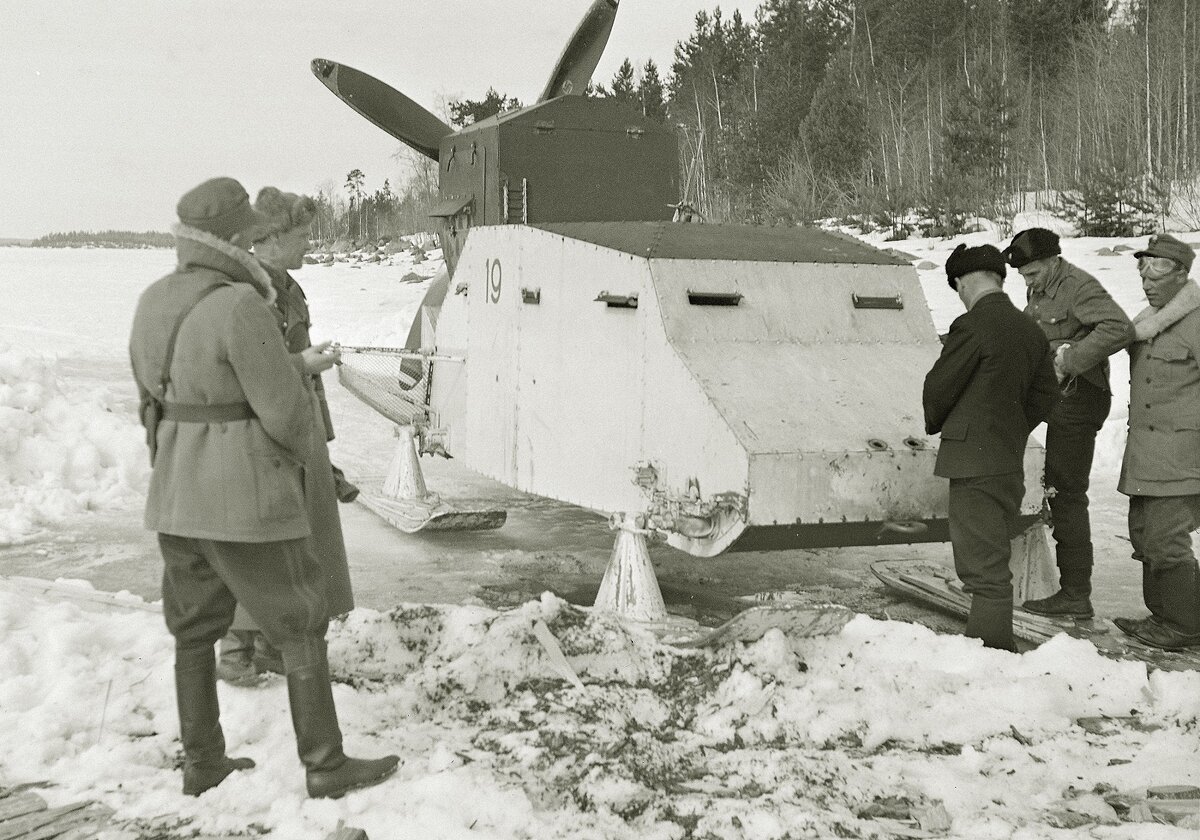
(719,386)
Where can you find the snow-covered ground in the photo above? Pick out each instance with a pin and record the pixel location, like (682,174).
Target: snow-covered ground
(835,736)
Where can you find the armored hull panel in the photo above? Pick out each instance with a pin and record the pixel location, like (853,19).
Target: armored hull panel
(772,376)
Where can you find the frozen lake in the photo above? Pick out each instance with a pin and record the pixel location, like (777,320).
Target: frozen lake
(74,307)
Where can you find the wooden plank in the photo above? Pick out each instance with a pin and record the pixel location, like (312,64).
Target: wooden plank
(937,586)
(19,805)
(21,827)
(12,790)
(80,825)
(86,820)
(83,832)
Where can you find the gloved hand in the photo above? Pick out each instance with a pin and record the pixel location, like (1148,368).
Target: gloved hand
(345,490)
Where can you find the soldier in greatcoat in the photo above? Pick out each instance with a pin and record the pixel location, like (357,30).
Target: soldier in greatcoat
(230,423)
(1161,469)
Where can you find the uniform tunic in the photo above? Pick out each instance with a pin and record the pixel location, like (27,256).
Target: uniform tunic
(1073,309)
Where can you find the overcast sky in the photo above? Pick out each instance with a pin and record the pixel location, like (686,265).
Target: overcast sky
(110,110)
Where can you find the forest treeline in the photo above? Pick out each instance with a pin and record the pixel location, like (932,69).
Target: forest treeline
(105,239)
(931,112)
(913,115)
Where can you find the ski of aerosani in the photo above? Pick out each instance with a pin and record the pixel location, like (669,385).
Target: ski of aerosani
(939,587)
(416,515)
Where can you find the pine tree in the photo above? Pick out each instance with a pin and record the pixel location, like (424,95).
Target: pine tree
(650,92)
(712,98)
(797,40)
(1110,201)
(834,131)
(354,184)
(979,126)
(622,83)
(464,112)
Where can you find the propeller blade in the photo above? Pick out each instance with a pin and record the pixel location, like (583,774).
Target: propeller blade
(383,105)
(578,61)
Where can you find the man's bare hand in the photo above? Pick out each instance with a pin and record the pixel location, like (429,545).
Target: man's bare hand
(1060,369)
(320,357)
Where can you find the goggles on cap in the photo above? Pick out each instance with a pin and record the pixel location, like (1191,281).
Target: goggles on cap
(1156,268)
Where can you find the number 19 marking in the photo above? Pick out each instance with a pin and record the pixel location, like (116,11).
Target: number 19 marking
(494,278)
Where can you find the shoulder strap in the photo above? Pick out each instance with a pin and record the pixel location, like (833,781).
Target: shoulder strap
(165,379)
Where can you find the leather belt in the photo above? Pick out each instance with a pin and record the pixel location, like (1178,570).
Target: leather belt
(207,413)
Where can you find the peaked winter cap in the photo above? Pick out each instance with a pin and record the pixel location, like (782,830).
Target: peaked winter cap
(1166,245)
(220,206)
(1033,244)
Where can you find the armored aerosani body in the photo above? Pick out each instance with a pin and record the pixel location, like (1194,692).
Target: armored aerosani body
(726,386)
(746,387)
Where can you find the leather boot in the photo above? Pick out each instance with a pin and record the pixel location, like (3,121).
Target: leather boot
(329,772)
(1131,626)
(1062,604)
(1178,589)
(990,619)
(205,764)
(1073,599)
(236,662)
(267,657)
(1151,595)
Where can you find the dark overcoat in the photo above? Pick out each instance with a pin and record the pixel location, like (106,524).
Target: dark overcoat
(992,384)
(291,309)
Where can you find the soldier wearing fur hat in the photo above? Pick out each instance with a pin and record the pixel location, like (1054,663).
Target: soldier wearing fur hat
(230,425)
(245,651)
(1161,469)
(991,385)
(1084,326)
